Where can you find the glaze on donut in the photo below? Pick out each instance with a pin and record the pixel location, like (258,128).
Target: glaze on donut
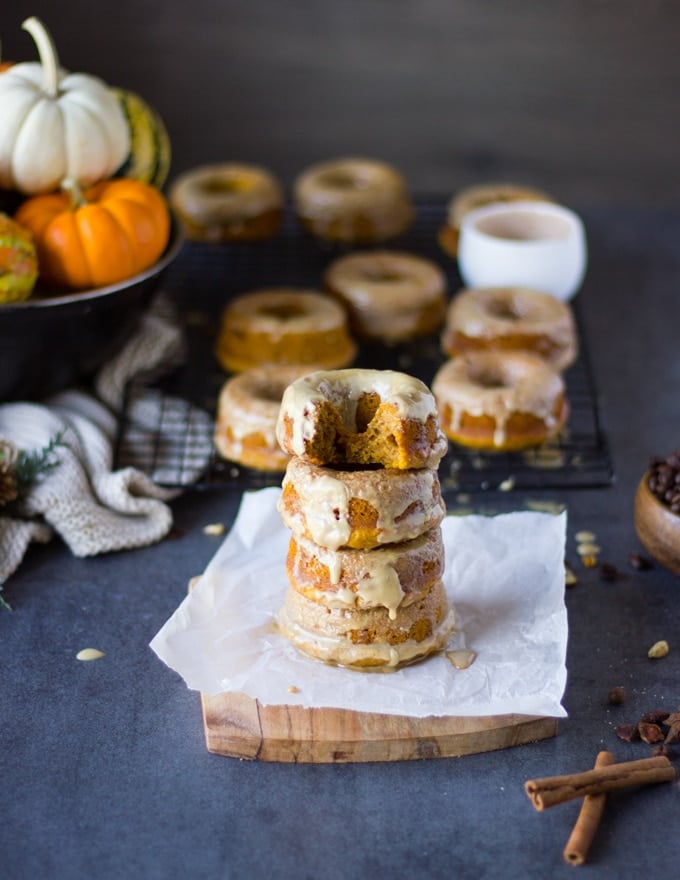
(389,295)
(498,402)
(283,326)
(368,639)
(352,200)
(359,509)
(365,417)
(393,576)
(247,412)
(511,319)
(227,202)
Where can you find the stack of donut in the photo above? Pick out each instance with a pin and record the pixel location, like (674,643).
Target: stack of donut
(362,499)
(501,389)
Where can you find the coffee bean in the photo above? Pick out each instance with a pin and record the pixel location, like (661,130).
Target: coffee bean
(664,479)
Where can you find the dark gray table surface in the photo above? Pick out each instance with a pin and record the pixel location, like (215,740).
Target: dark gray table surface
(103,767)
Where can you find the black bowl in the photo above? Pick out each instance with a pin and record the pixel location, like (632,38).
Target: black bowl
(48,342)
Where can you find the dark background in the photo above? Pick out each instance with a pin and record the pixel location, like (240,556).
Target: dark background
(576,96)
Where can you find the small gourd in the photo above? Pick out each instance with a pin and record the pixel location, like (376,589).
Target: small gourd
(56,125)
(150,151)
(109,233)
(18,261)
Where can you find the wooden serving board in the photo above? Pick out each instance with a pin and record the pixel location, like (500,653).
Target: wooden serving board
(239,727)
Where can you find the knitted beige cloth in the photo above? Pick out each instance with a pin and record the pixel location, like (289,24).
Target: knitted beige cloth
(93,508)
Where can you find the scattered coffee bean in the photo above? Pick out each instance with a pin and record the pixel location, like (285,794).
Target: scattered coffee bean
(608,572)
(640,562)
(616,696)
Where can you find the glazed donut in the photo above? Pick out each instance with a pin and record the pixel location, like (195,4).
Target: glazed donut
(283,326)
(352,200)
(392,576)
(475,197)
(499,402)
(367,639)
(227,202)
(359,509)
(389,295)
(366,417)
(247,412)
(511,319)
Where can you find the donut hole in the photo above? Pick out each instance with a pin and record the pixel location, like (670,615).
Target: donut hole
(223,186)
(287,311)
(382,276)
(343,180)
(488,376)
(505,308)
(367,407)
(269,393)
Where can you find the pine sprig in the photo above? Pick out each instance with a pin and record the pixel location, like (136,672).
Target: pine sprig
(3,602)
(30,465)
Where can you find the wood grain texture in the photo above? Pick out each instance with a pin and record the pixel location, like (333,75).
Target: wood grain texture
(237,726)
(657,527)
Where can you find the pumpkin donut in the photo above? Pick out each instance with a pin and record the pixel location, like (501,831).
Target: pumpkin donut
(392,576)
(511,319)
(283,326)
(367,638)
(365,417)
(247,412)
(228,202)
(475,197)
(500,402)
(359,509)
(352,200)
(389,295)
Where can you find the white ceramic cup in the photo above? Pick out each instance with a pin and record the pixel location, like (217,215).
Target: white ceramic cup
(523,244)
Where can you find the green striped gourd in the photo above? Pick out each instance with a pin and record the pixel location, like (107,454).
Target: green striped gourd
(150,151)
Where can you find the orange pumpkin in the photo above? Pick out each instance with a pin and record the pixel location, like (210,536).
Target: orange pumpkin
(109,233)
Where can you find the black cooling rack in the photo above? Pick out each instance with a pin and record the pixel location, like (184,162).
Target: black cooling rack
(175,448)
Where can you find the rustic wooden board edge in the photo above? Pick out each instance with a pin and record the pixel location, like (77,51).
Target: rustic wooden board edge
(238,726)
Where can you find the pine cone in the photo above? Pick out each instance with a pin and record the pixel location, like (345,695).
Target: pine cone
(8,454)
(8,487)
(8,483)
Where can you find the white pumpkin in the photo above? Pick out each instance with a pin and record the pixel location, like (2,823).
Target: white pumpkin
(57,124)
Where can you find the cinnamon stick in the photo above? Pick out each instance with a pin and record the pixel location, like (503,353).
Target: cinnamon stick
(588,819)
(551,790)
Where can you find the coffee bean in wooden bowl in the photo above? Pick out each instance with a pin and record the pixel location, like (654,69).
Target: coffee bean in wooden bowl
(657,510)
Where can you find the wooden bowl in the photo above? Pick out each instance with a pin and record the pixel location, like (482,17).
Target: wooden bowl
(658,528)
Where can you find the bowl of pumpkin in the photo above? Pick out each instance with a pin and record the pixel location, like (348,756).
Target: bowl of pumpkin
(85,232)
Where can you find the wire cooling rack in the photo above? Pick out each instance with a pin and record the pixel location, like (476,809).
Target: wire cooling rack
(166,427)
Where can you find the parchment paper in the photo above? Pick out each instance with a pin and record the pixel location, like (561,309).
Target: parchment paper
(504,575)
